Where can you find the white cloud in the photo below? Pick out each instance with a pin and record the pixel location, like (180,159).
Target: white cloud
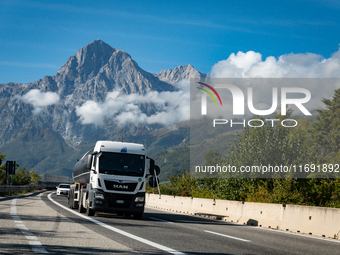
(174,107)
(91,112)
(307,65)
(251,65)
(39,99)
(171,107)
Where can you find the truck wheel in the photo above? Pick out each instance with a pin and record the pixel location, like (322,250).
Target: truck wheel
(74,204)
(89,211)
(81,208)
(70,201)
(137,216)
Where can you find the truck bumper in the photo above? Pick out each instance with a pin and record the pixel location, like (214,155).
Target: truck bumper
(119,203)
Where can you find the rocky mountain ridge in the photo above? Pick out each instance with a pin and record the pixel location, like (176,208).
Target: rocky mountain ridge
(46,110)
(94,71)
(179,73)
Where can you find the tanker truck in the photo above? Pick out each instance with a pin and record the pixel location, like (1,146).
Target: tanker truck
(111,177)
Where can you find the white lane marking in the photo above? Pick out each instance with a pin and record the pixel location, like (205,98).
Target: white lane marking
(35,243)
(27,233)
(23,228)
(160,220)
(36,246)
(13,207)
(279,231)
(137,238)
(39,250)
(232,237)
(31,237)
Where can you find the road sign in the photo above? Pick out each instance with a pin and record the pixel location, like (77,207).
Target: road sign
(10,167)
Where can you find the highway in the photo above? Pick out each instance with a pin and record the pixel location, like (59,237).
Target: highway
(42,223)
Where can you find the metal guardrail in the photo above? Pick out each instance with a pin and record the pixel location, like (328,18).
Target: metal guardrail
(20,188)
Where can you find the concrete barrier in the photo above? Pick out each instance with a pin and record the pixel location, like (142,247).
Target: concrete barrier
(230,210)
(316,221)
(319,221)
(165,202)
(263,215)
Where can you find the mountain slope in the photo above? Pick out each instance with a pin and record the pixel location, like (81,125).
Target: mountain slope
(94,71)
(41,126)
(98,68)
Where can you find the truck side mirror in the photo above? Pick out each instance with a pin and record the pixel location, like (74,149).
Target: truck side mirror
(157,170)
(152,166)
(153,182)
(89,161)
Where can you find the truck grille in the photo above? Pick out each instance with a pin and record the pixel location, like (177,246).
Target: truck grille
(120,186)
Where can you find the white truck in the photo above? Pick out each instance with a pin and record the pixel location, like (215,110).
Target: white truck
(112,178)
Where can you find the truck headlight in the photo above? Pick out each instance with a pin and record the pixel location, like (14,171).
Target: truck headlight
(139,199)
(99,196)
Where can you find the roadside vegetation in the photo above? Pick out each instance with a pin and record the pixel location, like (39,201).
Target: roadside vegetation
(313,141)
(22,175)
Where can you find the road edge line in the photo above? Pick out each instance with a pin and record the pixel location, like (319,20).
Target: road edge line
(122,232)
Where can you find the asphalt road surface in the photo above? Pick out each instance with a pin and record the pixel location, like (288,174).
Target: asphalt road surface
(41,222)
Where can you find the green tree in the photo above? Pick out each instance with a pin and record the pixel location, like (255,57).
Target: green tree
(275,145)
(326,131)
(22,176)
(34,178)
(309,142)
(271,145)
(184,184)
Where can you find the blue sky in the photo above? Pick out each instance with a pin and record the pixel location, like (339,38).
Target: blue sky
(37,37)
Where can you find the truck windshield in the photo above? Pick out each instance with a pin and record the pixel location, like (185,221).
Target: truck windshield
(121,164)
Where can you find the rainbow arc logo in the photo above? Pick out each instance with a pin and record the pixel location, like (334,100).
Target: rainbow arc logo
(209,93)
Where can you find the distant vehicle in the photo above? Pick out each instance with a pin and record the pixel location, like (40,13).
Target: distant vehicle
(63,189)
